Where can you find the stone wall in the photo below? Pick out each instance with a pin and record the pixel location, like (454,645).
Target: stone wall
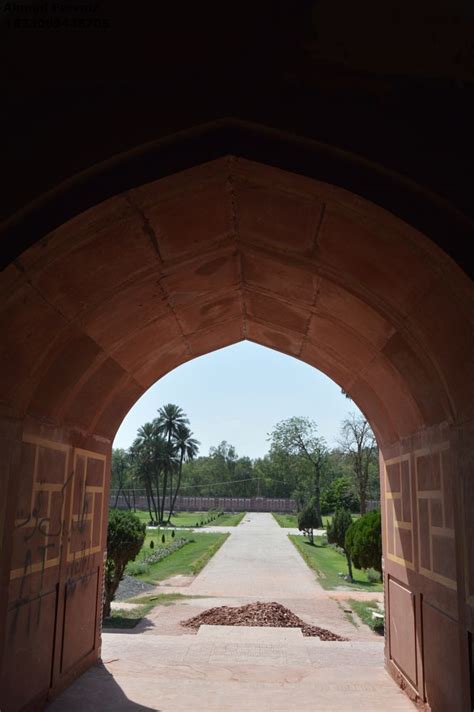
(204,504)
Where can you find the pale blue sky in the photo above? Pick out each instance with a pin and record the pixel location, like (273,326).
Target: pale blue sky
(238,394)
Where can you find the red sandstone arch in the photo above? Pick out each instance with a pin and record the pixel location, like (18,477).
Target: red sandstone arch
(103,306)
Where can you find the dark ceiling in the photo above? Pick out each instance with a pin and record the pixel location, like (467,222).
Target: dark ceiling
(391,84)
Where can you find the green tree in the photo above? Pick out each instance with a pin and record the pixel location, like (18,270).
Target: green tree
(358,442)
(364,542)
(297,438)
(188,448)
(121,474)
(170,417)
(148,453)
(125,537)
(309,519)
(338,494)
(336,532)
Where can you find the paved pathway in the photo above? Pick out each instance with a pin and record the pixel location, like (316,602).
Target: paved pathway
(164,667)
(258,560)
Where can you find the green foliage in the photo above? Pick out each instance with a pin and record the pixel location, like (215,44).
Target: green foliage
(162,538)
(336,532)
(125,537)
(364,610)
(372,575)
(309,519)
(173,534)
(152,544)
(364,542)
(137,568)
(296,441)
(358,442)
(337,528)
(338,494)
(328,564)
(187,559)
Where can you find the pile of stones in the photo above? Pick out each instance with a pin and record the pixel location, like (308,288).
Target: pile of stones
(259,614)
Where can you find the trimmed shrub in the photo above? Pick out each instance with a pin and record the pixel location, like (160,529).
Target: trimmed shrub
(337,530)
(173,533)
(152,544)
(162,538)
(364,542)
(309,519)
(125,537)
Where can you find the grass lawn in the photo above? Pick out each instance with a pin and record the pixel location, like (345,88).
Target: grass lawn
(124,618)
(228,520)
(190,559)
(290,521)
(129,618)
(190,519)
(327,563)
(364,610)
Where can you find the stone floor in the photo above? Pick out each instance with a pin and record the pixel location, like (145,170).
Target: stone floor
(162,666)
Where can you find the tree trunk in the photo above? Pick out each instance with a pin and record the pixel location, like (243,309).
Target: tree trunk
(178,485)
(163,496)
(148,501)
(152,500)
(126,497)
(349,566)
(317,494)
(363,502)
(116,497)
(311,536)
(171,495)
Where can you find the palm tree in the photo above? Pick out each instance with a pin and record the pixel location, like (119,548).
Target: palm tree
(147,451)
(188,448)
(170,417)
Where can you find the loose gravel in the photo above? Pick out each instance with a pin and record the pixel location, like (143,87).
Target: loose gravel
(259,614)
(130,587)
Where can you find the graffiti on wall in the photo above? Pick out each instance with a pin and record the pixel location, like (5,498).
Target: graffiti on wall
(58,518)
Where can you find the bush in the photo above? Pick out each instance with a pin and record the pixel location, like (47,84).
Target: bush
(162,538)
(172,533)
(197,524)
(337,530)
(137,568)
(125,537)
(364,542)
(152,544)
(373,576)
(309,519)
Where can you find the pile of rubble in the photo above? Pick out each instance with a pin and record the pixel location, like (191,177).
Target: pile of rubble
(259,614)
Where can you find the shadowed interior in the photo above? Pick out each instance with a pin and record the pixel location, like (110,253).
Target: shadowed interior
(99,309)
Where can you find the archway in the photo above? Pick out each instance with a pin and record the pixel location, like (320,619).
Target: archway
(105,304)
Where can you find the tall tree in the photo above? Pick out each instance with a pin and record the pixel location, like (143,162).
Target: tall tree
(120,474)
(170,417)
(359,444)
(298,436)
(147,453)
(187,448)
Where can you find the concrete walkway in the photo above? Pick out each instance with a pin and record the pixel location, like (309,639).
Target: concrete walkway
(163,667)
